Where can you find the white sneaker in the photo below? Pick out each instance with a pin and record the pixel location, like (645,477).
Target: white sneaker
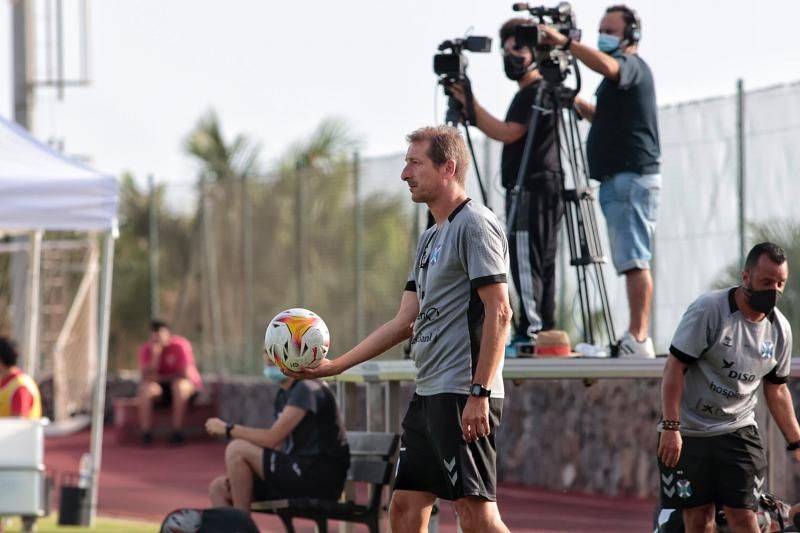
(631,348)
(590,350)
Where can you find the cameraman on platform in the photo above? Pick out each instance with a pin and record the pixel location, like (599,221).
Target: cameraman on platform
(623,152)
(533,239)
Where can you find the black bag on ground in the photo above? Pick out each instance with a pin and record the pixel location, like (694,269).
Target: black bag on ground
(214,520)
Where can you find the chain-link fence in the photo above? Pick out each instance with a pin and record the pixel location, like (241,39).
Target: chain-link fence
(319,238)
(338,238)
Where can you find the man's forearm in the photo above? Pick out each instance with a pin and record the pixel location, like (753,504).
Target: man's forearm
(779,402)
(602,63)
(385,337)
(672,389)
(493,337)
(493,127)
(262,437)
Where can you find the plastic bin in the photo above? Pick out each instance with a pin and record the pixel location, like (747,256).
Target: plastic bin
(73,506)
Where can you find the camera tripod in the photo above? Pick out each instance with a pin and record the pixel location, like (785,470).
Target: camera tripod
(585,248)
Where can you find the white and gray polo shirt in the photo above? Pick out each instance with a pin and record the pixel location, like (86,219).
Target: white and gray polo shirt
(467,251)
(728,356)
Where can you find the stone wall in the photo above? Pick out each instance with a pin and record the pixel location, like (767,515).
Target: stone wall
(560,435)
(565,435)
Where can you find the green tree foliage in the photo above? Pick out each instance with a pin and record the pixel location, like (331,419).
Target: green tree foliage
(131,286)
(219,159)
(787,236)
(321,170)
(298,225)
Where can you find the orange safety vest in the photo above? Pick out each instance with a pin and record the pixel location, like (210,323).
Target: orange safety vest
(15,383)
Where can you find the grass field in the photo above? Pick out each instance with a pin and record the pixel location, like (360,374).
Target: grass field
(49,524)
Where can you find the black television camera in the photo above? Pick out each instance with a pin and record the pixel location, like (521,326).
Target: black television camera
(553,62)
(451,67)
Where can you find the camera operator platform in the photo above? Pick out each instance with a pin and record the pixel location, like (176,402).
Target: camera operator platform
(534,134)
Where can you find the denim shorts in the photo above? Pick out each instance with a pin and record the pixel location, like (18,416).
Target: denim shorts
(630,204)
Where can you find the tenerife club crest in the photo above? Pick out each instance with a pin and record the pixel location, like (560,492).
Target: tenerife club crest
(766,349)
(684,487)
(435,254)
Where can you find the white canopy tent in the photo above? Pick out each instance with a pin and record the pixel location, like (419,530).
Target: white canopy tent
(41,190)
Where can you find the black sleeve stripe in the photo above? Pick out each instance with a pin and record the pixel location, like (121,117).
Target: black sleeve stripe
(774,378)
(488,280)
(683,357)
(411,285)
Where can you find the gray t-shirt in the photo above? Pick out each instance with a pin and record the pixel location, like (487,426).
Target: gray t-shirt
(467,251)
(728,356)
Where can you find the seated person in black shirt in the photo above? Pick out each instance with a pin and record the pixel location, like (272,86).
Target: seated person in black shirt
(534,236)
(304,453)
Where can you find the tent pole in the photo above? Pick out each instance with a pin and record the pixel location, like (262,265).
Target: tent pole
(98,409)
(34,281)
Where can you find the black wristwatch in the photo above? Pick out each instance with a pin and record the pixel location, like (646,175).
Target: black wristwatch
(228,429)
(793,445)
(479,390)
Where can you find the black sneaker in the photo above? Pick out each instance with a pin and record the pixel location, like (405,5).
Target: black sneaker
(176,439)
(146,439)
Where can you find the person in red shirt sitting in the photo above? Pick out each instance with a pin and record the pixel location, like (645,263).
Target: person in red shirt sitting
(169,377)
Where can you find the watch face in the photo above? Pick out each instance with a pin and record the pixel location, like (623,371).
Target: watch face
(478,390)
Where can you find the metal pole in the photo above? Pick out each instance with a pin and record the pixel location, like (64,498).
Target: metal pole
(299,233)
(84,41)
(60,49)
(220,356)
(247,258)
(358,248)
(34,280)
(24,57)
(153,249)
(98,409)
(487,169)
(740,170)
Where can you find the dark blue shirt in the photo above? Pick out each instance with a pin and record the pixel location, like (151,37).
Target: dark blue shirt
(624,132)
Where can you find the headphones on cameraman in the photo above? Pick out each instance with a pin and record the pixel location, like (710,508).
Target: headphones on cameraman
(633,24)
(633,29)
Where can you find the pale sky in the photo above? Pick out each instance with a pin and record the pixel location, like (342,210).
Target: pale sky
(274,69)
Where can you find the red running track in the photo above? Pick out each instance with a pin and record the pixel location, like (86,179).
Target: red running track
(148,483)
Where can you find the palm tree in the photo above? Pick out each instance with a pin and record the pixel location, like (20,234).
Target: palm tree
(221,161)
(223,223)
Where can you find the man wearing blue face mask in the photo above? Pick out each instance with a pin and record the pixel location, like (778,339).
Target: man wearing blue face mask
(304,453)
(533,239)
(728,343)
(623,153)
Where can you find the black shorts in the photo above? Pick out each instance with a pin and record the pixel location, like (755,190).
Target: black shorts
(165,400)
(291,476)
(726,469)
(434,456)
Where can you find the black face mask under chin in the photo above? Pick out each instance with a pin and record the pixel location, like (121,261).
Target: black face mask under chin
(514,66)
(762,301)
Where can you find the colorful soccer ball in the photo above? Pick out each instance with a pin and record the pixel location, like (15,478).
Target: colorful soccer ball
(296,339)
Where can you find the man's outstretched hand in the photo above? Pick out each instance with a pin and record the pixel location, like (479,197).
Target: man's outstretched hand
(325,368)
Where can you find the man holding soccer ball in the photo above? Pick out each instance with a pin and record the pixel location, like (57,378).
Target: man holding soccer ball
(455,309)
